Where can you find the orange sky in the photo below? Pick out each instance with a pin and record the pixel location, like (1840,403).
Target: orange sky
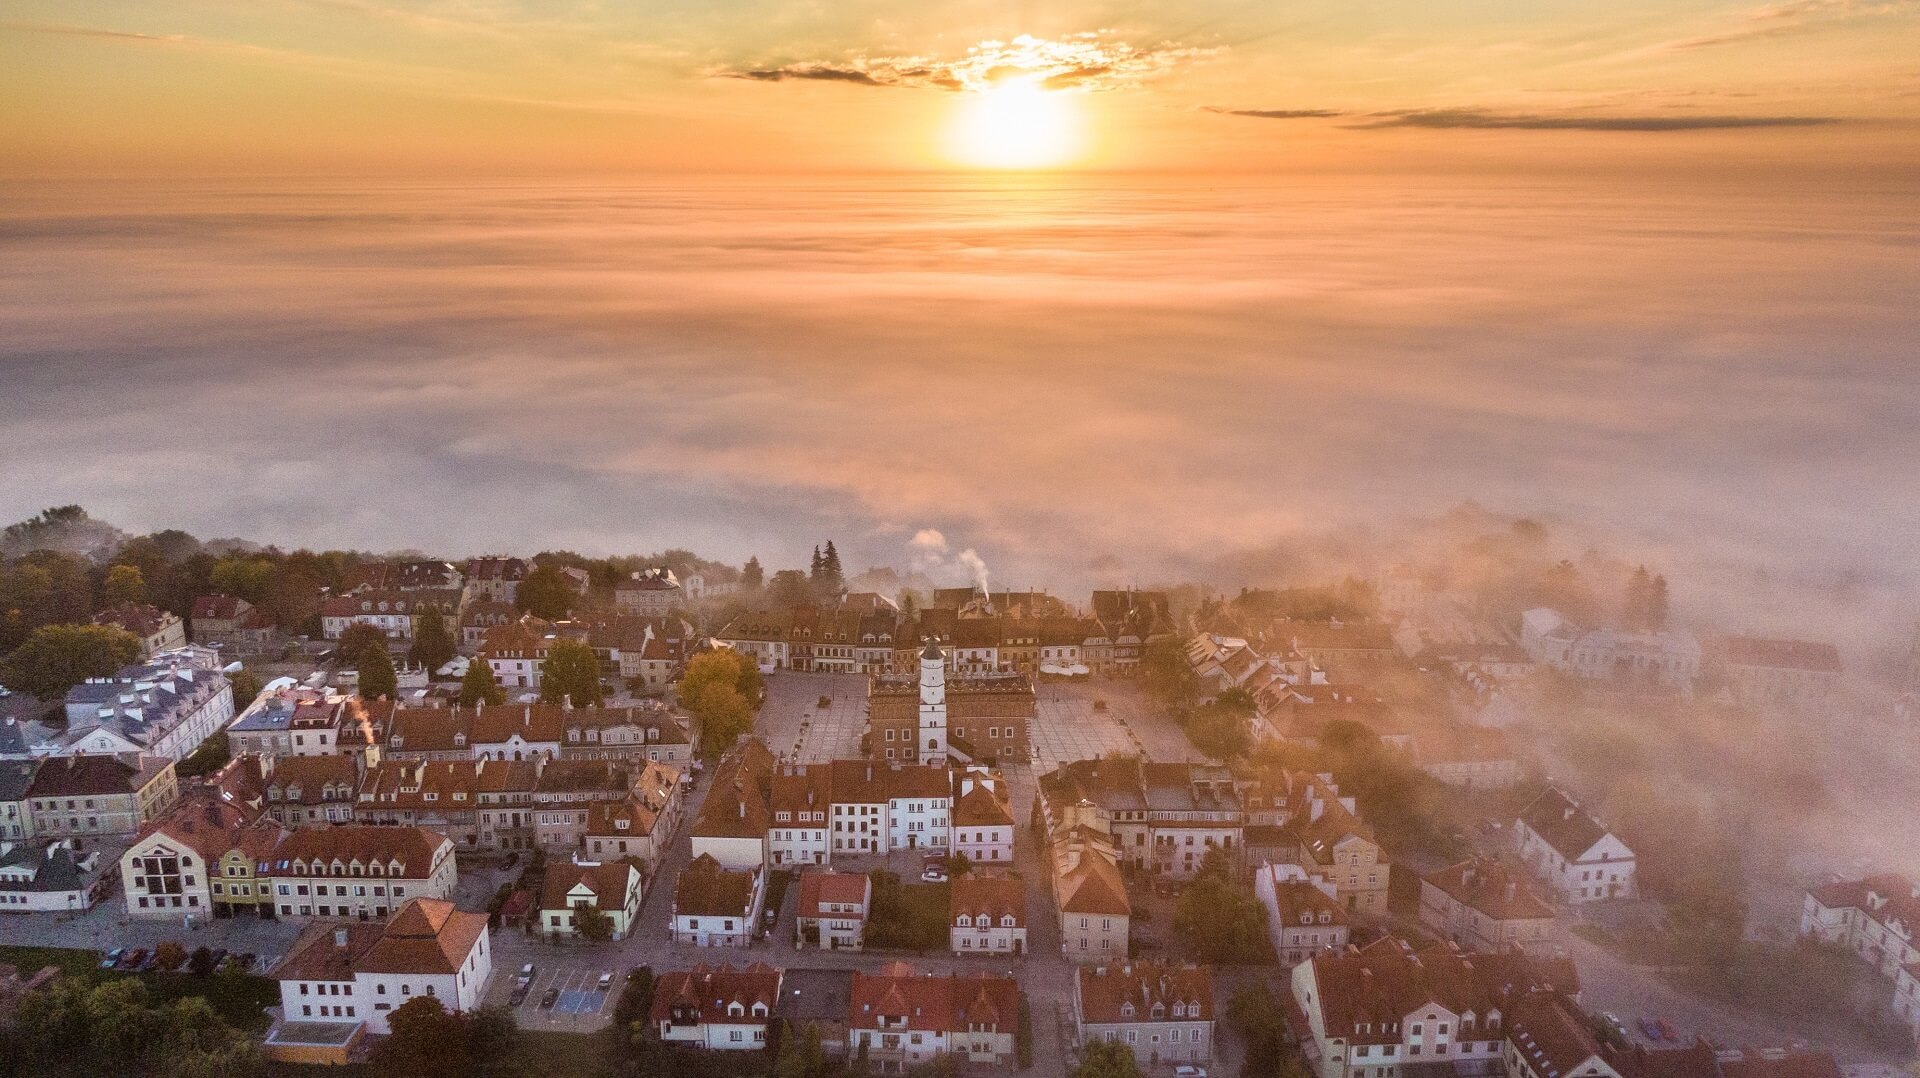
(493,86)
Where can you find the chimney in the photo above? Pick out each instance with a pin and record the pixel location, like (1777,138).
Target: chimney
(1567,813)
(340,938)
(1513,889)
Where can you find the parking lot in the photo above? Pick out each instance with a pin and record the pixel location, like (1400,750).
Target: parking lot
(1070,725)
(579,1005)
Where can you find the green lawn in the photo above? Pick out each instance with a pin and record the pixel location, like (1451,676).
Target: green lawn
(239,998)
(71,961)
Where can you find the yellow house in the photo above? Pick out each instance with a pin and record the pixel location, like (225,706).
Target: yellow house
(236,889)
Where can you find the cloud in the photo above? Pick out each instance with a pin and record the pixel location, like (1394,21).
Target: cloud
(1275,114)
(89,31)
(1090,61)
(1483,119)
(1790,18)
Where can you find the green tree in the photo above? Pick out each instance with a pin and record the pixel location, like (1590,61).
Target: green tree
(426,1042)
(377,679)
(790,588)
(592,923)
(1223,727)
(55,658)
(1219,920)
(246,688)
(1106,1059)
(358,639)
(546,592)
(571,671)
(124,584)
(710,690)
(1167,675)
(433,645)
(249,577)
(211,756)
(479,686)
(752,576)
(636,999)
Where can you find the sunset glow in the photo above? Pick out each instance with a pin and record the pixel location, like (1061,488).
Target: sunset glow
(1016,125)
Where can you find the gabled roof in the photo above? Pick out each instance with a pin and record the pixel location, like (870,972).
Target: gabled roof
(706,992)
(929,1003)
(1564,825)
(1106,990)
(1094,886)
(140,619)
(1487,886)
(1550,1035)
(427,936)
(1781,654)
(413,847)
(609,881)
(974,893)
(95,776)
(820,889)
(1387,980)
(704,889)
(982,807)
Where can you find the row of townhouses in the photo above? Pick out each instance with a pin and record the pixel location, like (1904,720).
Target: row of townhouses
(1877,918)
(1023,632)
(163,707)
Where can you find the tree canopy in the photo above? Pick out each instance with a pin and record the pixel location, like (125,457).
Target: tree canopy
(479,686)
(55,658)
(433,645)
(546,592)
(1106,1059)
(720,688)
(377,678)
(570,672)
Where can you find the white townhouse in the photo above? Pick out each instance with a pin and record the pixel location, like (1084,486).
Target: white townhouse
(723,1008)
(357,974)
(983,822)
(987,915)
(800,799)
(358,871)
(713,907)
(1573,852)
(1163,1014)
(164,707)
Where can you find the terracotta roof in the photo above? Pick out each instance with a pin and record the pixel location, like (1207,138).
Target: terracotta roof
(1106,990)
(1299,898)
(819,889)
(1550,1035)
(427,936)
(1790,1064)
(981,807)
(948,1003)
(140,619)
(310,776)
(94,776)
(1385,981)
(207,825)
(706,992)
(609,882)
(444,785)
(1782,654)
(974,893)
(1564,825)
(219,607)
(1487,886)
(1094,886)
(704,889)
(413,848)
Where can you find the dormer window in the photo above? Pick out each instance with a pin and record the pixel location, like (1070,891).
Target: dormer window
(1126,1010)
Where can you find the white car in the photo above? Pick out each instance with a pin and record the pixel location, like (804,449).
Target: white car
(1187,1070)
(933,874)
(606,981)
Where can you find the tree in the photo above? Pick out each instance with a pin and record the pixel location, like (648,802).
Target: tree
(790,588)
(711,689)
(862,1060)
(636,999)
(546,592)
(251,578)
(1223,727)
(592,923)
(377,680)
(169,955)
(571,672)
(1106,1059)
(479,686)
(1636,607)
(1167,674)
(828,580)
(1657,604)
(200,963)
(426,1042)
(1219,920)
(752,576)
(246,688)
(433,645)
(55,658)
(124,584)
(211,756)
(358,639)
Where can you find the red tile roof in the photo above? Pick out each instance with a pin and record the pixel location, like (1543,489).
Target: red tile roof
(897,998)
(705,992)
(818,890)
(1489,887)
(1783,654)
(975,893)
(1106,990)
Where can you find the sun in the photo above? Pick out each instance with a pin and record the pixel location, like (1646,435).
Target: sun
(1016,124)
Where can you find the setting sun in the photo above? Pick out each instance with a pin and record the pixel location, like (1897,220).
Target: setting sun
(1016,124)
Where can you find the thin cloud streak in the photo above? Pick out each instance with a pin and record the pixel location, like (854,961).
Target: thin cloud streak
(1090,61)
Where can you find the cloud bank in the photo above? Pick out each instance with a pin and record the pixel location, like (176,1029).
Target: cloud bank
(1490,120)
(1086,61)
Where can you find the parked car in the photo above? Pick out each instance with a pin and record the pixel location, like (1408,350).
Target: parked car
(1666,1029)
(113,958)
(606,980)
(1188,1070)
(1649,1028)
(1614,1023)
(547,1001)
(933,874)
(132,959)
(150,963)
(519,993)
(526,972)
